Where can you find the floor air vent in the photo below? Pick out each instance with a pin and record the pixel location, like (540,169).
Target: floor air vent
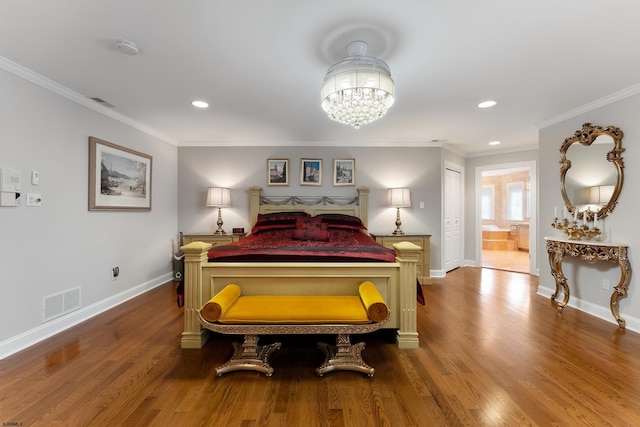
(59,304)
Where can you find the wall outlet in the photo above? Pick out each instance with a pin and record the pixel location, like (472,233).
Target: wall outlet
(605,284)
(116,273)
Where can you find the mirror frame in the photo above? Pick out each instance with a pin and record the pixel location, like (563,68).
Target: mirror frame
(586,136)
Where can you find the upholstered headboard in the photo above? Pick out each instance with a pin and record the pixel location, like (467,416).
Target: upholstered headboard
(356,205)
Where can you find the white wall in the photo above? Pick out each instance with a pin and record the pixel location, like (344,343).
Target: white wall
(585,279)
(377,168)
(61,245)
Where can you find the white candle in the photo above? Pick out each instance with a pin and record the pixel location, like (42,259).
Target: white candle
(595,220)
(584,218)
(555,212)
(575,215)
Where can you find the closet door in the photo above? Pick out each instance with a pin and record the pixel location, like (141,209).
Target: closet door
(452,219)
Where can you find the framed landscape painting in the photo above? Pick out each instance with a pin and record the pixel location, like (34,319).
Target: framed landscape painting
(119,178)
(344,171)
(310,172)
(277,171)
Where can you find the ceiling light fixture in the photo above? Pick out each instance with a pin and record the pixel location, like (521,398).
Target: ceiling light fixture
(487,104)
(359,89)
(494,143)
(200,104)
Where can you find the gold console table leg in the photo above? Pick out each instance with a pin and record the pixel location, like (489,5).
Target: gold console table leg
(555,260)
(589,251)
(620,290)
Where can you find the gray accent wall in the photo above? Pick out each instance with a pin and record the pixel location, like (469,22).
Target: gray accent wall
(378,168)
(585,279)
(61,245)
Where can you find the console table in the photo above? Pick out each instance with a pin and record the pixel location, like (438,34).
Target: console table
(589,250)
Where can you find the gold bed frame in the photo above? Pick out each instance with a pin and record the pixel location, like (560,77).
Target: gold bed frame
(396,281)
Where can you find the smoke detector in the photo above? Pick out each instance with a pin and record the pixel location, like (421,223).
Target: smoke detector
(127,47)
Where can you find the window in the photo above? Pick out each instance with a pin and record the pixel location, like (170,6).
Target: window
(487,202)
(515,201)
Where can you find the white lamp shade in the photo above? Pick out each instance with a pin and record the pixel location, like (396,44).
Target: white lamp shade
(399,198)
(219,197)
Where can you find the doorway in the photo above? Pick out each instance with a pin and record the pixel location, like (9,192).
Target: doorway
(506,217)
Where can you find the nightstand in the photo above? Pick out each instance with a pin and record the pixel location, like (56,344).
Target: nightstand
(423,266)
(214,239)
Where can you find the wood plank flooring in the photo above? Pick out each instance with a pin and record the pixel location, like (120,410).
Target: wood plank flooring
(492,353)
(513,260)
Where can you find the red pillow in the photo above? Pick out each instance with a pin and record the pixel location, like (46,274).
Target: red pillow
(311,229)
(342,221)
(311,234)
(277,220)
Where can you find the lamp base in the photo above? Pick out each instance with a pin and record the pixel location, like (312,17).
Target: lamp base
(398,231)
(219,223)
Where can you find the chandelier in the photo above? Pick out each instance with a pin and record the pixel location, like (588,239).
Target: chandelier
(359,89)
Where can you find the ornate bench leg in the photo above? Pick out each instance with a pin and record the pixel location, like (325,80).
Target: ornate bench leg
(343,357)
(250,357)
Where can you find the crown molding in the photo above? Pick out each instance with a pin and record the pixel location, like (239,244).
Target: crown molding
(35,78)
(396,144)
(606,100)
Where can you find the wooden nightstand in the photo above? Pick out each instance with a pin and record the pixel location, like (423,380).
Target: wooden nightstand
(423,266)
(214,239)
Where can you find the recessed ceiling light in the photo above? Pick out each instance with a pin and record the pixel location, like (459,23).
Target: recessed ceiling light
(200,104)
(494,143)
(487,104)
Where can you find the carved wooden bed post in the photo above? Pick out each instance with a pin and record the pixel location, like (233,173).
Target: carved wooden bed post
(195,253)
(407,255)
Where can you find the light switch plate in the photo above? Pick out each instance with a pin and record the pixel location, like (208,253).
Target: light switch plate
(35,177)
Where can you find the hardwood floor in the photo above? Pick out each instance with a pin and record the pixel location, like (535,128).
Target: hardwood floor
(512,260)
(492,352)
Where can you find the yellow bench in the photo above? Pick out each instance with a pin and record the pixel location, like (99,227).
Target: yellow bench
(229,312)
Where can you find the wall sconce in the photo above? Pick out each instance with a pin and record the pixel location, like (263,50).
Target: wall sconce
(220,198)
(398,198)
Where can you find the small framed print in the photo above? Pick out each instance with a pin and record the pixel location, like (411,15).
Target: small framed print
(344,171)
(277,171)
(310,172)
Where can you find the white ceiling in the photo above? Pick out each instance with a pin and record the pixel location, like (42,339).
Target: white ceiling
(260,64)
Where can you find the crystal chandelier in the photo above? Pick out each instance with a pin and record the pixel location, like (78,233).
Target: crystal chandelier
(359,89)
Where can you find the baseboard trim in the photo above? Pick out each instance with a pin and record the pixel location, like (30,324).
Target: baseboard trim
(599,311)
(49,329)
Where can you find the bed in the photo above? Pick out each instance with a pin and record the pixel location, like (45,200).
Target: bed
(208,270)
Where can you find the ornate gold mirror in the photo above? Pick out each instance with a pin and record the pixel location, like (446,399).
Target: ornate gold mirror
(591,171)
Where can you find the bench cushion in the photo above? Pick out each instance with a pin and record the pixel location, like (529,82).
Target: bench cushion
(229,307)
(281,309)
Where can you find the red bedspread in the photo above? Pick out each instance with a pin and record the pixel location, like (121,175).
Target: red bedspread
(342,245)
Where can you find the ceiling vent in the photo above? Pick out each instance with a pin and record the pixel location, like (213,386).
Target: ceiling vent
(127,47)
(103,102)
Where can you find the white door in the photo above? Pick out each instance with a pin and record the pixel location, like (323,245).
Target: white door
(452,219)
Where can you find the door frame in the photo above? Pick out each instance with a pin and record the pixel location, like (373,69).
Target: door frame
(533,218)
